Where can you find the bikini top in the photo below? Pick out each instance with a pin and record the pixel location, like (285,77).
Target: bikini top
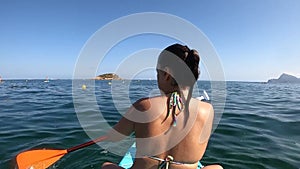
(165,163)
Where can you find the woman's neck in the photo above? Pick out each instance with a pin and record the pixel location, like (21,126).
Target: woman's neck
(183,91)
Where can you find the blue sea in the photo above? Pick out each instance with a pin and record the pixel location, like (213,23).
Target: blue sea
(259,127)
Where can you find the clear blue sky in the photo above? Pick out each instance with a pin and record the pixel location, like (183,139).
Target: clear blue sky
(255,39)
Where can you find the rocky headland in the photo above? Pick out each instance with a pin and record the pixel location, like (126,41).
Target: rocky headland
(285,78)
(108,76)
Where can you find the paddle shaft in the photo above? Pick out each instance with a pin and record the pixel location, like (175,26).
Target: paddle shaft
(86,144)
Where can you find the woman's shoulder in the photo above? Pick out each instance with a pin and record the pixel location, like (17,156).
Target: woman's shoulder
(141,104)
(144,104)
(203,108)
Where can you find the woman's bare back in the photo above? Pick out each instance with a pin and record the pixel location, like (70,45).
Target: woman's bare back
(186,142)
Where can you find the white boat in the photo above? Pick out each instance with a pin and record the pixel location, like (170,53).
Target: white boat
(47,80)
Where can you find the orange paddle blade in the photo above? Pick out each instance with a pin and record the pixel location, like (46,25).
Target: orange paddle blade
(39,159)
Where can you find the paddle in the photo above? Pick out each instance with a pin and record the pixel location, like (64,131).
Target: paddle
(41,159)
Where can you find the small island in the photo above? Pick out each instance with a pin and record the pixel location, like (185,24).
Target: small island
(108,76)
(285,78)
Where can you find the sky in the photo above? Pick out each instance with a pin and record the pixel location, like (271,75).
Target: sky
(255,40)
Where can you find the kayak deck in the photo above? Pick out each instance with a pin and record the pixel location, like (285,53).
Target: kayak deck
(127,160)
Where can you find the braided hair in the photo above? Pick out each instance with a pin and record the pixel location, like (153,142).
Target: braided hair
(184,65)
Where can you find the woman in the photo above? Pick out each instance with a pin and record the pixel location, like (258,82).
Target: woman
(171,130)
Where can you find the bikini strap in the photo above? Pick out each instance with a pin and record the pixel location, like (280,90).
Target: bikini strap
(165,163)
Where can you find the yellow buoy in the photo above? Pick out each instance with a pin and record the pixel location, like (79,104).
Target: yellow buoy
(83,87)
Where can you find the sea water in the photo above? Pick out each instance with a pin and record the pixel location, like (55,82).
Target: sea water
(259,127)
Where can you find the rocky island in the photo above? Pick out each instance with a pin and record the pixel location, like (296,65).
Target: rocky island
(285,78)
(108,76)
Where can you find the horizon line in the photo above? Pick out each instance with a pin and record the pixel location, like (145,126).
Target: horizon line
(150,79)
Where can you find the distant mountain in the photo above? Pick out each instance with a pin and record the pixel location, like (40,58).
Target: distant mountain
(108,76)
(285,78)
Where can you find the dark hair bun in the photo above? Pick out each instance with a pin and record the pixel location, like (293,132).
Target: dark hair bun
(191,59)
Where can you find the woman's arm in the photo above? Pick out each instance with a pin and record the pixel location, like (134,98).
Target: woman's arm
(122,129)
(126,126)
(207,116)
